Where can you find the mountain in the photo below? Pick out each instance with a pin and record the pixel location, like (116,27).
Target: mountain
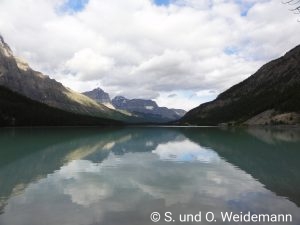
(16,75)
(270,96)
(144,110)
(18,110)
(147,109)
(100,96)
(179,112)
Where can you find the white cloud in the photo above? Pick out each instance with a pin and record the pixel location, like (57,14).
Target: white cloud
(89,65)
(141,50)
(189,99)
(173,151)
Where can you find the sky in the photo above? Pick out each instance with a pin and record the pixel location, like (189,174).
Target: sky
(179,53)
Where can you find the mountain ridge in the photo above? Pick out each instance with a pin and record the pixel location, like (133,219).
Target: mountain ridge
(18,76)
(145,109)
(19,110)
(100,96)
(269,96)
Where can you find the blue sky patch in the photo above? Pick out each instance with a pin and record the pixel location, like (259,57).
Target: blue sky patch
(162,2)
(231,50)
(245,6)
(73,5)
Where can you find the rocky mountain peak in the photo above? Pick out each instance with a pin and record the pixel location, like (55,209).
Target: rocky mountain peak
(4,48)
(99,96)
(119,98)
(98,91)
(1,40)
(16,75)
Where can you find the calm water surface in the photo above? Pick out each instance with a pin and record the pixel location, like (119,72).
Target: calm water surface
(89,176)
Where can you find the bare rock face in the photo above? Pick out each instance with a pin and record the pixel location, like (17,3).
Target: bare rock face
(274,87)
(272,117)
(16,75)
(147,109)
(100,96)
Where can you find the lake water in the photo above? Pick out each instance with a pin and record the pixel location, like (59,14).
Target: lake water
(89,176)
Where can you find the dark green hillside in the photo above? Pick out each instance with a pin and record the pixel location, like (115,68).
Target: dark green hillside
(18,76)
(17,110)
(274,87)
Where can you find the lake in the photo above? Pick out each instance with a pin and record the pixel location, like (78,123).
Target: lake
(112,176)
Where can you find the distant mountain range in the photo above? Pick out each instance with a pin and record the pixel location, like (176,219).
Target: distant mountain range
(147,110)
(271,96)
(16,75)
(141,107)
(19,80)
(18,110)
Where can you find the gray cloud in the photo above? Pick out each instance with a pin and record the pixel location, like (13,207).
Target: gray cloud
(138,49)
(172,96)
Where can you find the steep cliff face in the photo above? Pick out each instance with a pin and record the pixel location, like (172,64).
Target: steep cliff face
(17,75)
(270,96)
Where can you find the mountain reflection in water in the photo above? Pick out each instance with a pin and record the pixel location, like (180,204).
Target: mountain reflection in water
(119,176)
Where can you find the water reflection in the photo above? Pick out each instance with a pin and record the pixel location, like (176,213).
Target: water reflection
(120,176)
(185,151)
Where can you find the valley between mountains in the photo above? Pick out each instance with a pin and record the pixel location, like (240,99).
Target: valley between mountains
(271,96)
